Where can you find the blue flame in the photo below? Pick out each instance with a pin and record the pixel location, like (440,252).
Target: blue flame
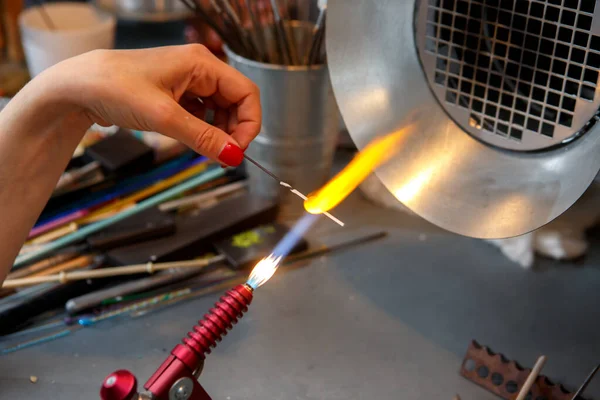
(285,246)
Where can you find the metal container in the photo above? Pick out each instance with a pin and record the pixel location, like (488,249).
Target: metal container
(146,10)
(300,124)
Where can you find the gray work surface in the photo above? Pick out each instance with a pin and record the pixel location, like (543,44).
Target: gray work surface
(389,320)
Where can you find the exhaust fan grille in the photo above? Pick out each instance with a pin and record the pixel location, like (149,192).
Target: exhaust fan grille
(517,74)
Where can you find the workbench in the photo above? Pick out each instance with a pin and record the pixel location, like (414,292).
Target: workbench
(388,320)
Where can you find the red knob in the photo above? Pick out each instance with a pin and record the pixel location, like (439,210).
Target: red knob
(120,385)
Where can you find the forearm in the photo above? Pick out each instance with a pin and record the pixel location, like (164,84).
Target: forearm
(39,130)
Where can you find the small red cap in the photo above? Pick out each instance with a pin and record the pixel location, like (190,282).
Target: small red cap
(120,385)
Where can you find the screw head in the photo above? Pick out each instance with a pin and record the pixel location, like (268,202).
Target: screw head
(181,393)
(181,389)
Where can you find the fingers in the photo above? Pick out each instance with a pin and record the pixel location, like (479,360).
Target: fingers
(228,87)
(194,107)
(173,120)
(248,114)
(232,123)
(221,119)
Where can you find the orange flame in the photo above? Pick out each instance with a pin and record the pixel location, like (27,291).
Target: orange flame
(340,186)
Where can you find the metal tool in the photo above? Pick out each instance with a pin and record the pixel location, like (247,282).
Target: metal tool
(243,34)
(585,383)
(314,50)
(288,186)
(282,33)
(505,378)
(230,27)
(257,33)
(481,162)
(201,13)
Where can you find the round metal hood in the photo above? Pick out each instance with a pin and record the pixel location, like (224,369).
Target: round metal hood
(442,172)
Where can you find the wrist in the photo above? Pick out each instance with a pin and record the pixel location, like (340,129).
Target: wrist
(79,84)
(50,104)
(60,90)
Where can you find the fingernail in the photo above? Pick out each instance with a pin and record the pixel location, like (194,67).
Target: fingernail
(231,155)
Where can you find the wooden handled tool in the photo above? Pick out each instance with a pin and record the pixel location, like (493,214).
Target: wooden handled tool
(149,268)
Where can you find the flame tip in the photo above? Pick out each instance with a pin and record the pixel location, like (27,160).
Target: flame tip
(263,271)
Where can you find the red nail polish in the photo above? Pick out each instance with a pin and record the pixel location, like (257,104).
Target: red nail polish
(231,155)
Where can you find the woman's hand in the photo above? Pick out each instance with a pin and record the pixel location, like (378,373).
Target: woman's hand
(151,90)
(167,90)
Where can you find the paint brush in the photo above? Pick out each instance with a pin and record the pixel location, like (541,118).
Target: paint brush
(289,187)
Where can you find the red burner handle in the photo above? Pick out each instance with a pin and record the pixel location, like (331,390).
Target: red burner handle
(186,360)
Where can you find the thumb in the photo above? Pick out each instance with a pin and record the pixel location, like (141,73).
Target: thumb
(200,136)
